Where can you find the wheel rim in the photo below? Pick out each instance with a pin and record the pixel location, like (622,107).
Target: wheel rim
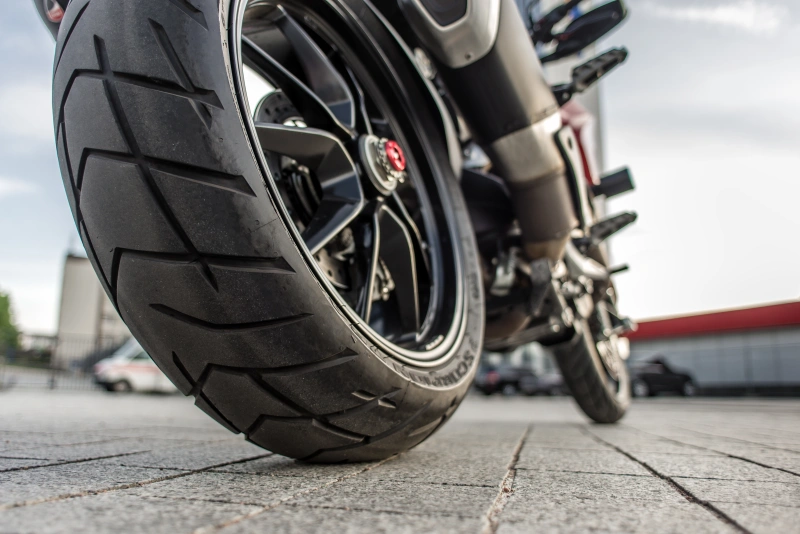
(374,236)
(607,347)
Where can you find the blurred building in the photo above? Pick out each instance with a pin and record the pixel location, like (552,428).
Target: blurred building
(88,324)
(753,350)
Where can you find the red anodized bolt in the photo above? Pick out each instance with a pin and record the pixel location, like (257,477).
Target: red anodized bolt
(395,154)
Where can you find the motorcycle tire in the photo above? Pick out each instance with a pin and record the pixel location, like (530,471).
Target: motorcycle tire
(181,218)
(603,396)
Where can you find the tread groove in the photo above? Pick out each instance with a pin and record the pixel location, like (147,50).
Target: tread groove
(340,358)
(179,364)
(216,411)
(191,11)
(133,146)
(62,131)
(183,77)
(69,34)
(372,439)
(230,327)
(220,180)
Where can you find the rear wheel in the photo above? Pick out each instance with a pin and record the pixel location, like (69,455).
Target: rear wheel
(302,264)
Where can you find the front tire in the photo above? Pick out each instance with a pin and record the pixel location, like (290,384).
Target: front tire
(602,394)
(180,217)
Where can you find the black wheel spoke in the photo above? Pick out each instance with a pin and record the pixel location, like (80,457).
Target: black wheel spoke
(315,112)
(370,246)
(416,236)
(397,254)
(363,123)
(322,76)
(328,160)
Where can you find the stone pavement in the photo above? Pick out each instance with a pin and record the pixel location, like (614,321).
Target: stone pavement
(95,462)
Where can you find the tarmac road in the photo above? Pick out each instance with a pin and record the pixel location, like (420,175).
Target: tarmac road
(96,462)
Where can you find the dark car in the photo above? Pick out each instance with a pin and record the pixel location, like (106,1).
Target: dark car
(655,376)
(510,380)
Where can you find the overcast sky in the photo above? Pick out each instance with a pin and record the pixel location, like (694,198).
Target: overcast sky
(706,112)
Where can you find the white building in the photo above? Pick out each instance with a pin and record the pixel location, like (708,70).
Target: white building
(87,321)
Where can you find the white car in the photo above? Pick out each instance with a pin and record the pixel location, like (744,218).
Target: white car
(130,368)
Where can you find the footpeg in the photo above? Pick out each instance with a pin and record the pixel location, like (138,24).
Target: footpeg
(614,184)
(604,229)
(585,75)
(618,269)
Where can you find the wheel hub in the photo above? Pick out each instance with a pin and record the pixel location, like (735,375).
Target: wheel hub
(384,162)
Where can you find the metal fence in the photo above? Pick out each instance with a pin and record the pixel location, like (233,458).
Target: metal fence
(63,362)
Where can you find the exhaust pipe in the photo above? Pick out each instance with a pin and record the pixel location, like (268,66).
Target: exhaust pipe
(490,66)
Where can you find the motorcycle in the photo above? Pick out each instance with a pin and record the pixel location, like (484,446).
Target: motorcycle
(314,215)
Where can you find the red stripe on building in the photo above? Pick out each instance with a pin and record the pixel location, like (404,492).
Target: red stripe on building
(759,318)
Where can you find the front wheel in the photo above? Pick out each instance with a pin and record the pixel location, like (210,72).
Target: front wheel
(303,265)
(595,373)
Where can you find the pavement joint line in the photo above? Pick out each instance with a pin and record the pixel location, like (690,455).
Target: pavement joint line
(750,442)
(198,499)
(583,472)
(86,493)
(275,504)
(159,467)
(377,511)
(428,483)
(82,460)
(686,494)
(734,456)
(758,504)
(24,458)
(506,488)
(68,462)
(736,479)
(410,481)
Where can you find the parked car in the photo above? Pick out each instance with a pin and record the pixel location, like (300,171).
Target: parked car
(130,368)
(655,376)
(510,380)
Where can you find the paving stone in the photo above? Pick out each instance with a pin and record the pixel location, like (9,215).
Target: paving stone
(445,485)
(632,441)
(403,497)
(281,466)
(17,438)
(95,449)
(718,467)
(791,463)
(192,455)
(762,518)
(587,461)
(19,463)
(547,486)
(34,484)
(768,493)
(293,519)
(118,512)
(239,488)
(457,467)
(651,517)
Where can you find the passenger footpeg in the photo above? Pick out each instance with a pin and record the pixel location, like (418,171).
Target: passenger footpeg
(586,74)
(604,229)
